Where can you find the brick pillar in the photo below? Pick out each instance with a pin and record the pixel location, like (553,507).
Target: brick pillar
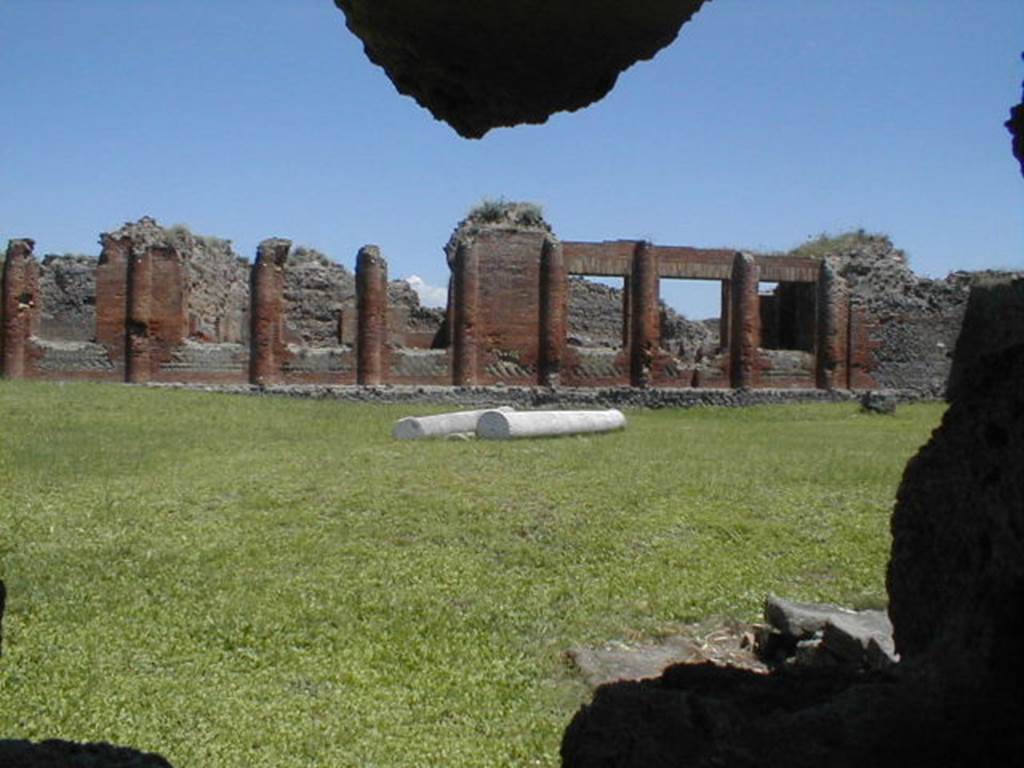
(553,313)
(745,337)
(626,312)
(372,303)
(266,315)
(724,319)
(18,308)
(467,295)
(831,369)
(138,364)
(644,314)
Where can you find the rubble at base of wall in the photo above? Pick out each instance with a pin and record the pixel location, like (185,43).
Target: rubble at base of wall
(535,397)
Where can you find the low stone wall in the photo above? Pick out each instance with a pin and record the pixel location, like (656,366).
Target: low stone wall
(542,397)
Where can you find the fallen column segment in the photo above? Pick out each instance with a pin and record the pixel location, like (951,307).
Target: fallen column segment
(442,425)
(499,425)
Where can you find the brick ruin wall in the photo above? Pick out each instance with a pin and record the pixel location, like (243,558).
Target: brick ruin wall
(162,304)
(166,305)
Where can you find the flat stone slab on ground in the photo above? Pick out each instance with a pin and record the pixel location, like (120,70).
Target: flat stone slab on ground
(800,621)
(729,645)
(850,636)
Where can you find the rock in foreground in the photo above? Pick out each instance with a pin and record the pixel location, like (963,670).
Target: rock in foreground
(956,589)
(487,63)
(68,754)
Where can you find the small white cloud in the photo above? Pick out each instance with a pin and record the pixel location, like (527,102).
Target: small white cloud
(430,295)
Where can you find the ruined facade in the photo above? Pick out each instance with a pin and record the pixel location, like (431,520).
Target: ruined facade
(166,305)
(162,304)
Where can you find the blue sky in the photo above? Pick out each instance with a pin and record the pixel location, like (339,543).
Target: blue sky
(764,124)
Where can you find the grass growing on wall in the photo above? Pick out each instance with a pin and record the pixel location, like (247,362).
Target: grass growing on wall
(237,581)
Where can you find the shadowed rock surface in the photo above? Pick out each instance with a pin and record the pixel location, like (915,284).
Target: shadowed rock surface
(956,577)
(69,754)
(488,63)
(994,320)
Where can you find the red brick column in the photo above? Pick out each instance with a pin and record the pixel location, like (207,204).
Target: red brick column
(745,337)
(138,364)
(467,295)
(644,314)
(372,303)
(553,313)
(831,369)
(18,308)
(266,315)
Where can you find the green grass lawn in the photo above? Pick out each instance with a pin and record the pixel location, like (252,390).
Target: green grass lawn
(241,581)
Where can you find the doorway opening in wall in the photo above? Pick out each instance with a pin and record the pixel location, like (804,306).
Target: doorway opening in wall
(690,316)
(597,328)
(691,332)
(596,319)
(787,316)
(788,319)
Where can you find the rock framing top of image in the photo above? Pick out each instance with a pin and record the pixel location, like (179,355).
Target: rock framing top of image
(481,64)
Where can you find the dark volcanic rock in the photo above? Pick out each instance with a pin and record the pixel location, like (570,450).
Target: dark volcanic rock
(994,320)
(704,716)
(956,590)
(1016,127)
(487,63)
(956,577)
(68,754)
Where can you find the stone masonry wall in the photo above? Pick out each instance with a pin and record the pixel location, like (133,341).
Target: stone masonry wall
(218,288)
(167,305)
(67,286)
(903,327)
(320,306)
(316,291)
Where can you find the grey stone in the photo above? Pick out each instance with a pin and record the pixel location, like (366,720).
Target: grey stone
(813,654)
(847,636)
(878,402)
(68,287)
(720,644)
(881,653)
(799,620)
(614,662)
